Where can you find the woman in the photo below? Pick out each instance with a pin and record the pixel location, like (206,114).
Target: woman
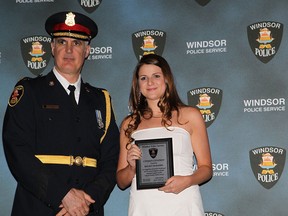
(157,112)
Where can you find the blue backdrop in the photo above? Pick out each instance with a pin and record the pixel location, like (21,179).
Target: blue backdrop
(235,52)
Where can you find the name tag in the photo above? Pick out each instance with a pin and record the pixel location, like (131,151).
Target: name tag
(50,106)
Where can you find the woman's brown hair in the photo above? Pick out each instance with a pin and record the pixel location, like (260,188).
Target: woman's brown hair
(138,105)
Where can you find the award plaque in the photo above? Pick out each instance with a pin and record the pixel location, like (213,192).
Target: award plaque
(156,163)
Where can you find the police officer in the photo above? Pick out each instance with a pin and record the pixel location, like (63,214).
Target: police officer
(60,137)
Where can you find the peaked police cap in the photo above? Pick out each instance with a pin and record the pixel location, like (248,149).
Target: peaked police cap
(71,24)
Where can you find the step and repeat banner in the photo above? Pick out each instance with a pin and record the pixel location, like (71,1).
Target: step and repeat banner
(229,59)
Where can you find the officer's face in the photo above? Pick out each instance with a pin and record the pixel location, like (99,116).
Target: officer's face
(69,55)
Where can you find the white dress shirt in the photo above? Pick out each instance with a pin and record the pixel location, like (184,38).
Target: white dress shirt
(65,84)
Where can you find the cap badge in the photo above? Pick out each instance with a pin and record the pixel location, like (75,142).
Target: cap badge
(70,19)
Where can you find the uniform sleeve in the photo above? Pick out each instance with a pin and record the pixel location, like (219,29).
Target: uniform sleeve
(101,188)
(19,140)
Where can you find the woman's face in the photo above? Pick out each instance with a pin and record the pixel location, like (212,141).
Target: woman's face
(151,82)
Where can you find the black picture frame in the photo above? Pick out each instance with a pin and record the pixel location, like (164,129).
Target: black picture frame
(156,163)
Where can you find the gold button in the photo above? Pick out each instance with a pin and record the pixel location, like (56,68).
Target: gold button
(78,161)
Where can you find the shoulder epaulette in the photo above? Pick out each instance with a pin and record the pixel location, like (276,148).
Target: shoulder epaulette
(24,79)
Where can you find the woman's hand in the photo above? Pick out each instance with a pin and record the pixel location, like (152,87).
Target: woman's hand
(133,154)
(176,184)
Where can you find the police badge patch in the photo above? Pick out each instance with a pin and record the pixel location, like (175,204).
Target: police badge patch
(210,213)
(203,2)
(89,5)
(267,164)
(264,39)
(207,100)
(149,41)
(36,53)
(16,95)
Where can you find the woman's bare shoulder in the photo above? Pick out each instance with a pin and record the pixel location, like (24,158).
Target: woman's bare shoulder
(189,111)
(126,121)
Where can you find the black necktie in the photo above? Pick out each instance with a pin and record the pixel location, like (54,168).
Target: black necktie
(71,94)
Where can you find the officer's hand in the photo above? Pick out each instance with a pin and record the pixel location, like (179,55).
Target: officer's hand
(62,212)
(76,202)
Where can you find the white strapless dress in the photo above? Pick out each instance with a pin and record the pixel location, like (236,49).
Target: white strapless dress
(152,202)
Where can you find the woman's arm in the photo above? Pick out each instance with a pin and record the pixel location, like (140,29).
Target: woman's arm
(200,143)
(201,147)
(127,159)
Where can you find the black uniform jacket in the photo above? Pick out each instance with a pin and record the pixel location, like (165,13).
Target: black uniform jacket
(42,121)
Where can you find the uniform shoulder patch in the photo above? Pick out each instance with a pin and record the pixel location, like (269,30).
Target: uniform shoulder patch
(16,95)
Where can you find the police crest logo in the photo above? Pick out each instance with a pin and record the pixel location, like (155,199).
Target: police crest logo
(203,2)
(207,100)
(153,152)
(36,53)
(213,214)
(89,5)
(16,95)
(264,39)
(267,164)
(149,41)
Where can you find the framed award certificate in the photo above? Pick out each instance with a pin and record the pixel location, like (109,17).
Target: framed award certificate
(156,163)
